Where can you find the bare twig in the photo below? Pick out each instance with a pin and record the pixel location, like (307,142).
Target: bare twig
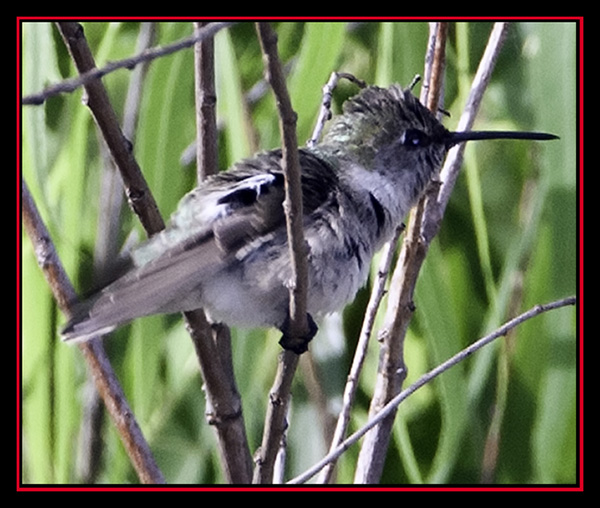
(206,100)
(213,343)
(390,408)
(298,325)
(94,74)
(325,111)
(293,188)
(361,350)
(223,405)
(451,167)
(138,193)
(392,370)
(106,381)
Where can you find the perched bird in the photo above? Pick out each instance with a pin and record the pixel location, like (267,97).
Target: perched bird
(225,249)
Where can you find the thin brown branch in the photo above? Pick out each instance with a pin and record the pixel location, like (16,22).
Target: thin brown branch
(223,403)
(99,366)
(213,343)
(138,193)
(392,370)
(206,100)
(438,67)
(293,188)
(147,55)
(451,168)
(391,407)
(298,327)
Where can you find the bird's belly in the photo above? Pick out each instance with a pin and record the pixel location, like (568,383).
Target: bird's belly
(256,293)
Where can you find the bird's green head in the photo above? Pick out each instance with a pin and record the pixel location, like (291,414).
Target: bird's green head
(386,129)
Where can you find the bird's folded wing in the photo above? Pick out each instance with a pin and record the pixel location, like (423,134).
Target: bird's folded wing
(215,225)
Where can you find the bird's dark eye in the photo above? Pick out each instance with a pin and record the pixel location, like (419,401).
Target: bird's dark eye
(414,138)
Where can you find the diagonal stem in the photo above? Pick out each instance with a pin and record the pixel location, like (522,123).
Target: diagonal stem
(391,406)
(222,397)
(98,363)
(424,224)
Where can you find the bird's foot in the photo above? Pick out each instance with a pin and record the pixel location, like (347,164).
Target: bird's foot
(295,343)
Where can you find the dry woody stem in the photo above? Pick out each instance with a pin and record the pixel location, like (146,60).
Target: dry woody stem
(99,366)
(391,407)
(213,343)
(206,100)
(392,371)
(275,423)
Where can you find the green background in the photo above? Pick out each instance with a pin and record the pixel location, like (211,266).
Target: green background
(508,241)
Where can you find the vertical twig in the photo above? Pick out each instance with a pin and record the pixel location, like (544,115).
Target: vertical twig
(213,343)
(482,77)
(206,100)
(392,370)
(279,398)
(223,404)
(99,366)
(293,189)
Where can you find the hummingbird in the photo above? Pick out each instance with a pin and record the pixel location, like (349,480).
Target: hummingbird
(225,249)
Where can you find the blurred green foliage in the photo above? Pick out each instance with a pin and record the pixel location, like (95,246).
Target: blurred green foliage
(508,242)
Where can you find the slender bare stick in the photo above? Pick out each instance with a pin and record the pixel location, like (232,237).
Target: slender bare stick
(451,167)
(223,404)
(206,100)
(213,343)
(136,188)
(99,366)
(293,188)
(392,405)
(361,350)
(147,55)
(392,370)
(275,423)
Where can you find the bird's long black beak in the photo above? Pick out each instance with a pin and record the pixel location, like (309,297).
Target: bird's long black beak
(460,137)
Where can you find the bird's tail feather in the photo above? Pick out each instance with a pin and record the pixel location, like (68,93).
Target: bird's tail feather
(152,289)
